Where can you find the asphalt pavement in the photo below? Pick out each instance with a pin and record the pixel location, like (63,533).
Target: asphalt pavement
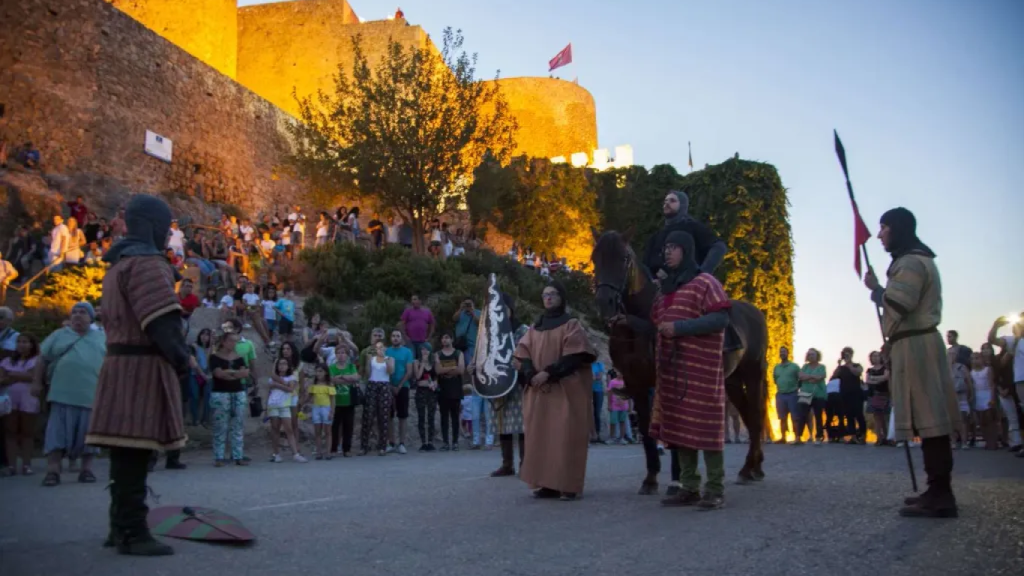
(822,509)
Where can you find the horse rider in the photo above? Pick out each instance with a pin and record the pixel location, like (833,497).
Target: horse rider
(710,249)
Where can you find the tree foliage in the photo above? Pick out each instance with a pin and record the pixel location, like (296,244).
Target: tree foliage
(545,206)
(406,134)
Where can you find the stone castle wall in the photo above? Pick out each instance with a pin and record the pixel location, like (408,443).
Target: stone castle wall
(556,117)
(84,81)
(206,29)
(298,46)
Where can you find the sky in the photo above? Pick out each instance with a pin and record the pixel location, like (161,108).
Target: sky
(927,97)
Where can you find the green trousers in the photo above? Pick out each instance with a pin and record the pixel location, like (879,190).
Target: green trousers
(689,476)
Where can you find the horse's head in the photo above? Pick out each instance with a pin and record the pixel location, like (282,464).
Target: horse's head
(615,272)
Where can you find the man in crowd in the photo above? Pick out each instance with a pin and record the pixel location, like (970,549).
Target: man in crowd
(79,211)
(787,382)
(60,241)
(188,299)
(400,386)
(147,358)
(8,273)
(467,324)
(923,396)
(418,324)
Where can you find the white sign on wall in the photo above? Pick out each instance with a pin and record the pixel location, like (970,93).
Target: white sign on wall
(158,146)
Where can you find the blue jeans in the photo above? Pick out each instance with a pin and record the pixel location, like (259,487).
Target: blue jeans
(598,398)
(787,406)
(479,412)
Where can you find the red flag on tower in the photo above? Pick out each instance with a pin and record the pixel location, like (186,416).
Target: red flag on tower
(561,59)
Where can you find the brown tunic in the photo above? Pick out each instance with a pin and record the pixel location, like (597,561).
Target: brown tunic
(138,398)
(557,423)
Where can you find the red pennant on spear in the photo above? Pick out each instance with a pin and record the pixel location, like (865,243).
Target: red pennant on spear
(861,235)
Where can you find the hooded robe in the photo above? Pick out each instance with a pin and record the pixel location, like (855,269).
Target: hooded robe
(138,397)
(556,416)
(923,395)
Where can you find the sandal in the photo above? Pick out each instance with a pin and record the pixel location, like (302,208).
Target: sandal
(51,479)
(86,477)
(242,462)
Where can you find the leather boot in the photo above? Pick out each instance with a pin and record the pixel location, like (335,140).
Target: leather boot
(130,529)
(115,463)
(174,460)
(938,500)
(507,457)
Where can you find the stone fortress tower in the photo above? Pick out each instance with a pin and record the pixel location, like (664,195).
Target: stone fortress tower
(273,49)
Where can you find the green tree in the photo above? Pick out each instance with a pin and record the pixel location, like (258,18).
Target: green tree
(406,134)
(543,205)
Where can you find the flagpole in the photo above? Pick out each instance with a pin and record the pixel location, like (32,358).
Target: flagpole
(841,153)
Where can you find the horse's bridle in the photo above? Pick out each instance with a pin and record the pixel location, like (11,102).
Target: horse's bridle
(621,291)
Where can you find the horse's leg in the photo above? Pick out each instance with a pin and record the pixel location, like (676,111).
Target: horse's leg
(756,390)
(643,417)
(735,390)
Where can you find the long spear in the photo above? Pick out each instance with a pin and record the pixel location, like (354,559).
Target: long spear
(861,236)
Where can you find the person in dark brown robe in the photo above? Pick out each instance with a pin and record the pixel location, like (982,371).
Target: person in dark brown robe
(138,396)
(554,359)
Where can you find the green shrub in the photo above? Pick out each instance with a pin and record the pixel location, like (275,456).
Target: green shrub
(385,279)
(329,310)
(40,322)
(64,289)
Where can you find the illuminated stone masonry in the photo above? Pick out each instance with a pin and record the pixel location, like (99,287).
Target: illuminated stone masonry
(87,80)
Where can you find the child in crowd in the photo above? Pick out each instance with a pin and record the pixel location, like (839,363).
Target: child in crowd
(322,394)
(210,300)
(466,417)
(269,313)
(618,411)
(266,247)
(959,358)
(285,309)
(283,385)
(227,307)
(983,380)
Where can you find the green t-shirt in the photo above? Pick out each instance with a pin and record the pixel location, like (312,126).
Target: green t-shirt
(247,351)
(817,386)
(786,376)
(74,375)
(343,392)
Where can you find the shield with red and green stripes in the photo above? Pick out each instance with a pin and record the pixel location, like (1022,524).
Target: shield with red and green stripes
(197,523)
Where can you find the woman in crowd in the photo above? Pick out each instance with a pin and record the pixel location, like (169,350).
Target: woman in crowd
(812,385)
(985,400)
(959,365)
(76,241)
(70,364)
(450,365)
(1002,371)
(425,376)
(379,399)
(16,376)
(878,400)
(200,381)
(345,377)
(851,394)
(228,400)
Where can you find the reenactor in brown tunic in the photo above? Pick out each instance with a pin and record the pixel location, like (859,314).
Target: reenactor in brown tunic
(138,397)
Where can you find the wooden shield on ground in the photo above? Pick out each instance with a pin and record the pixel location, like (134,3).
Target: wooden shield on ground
(494,374)
(197,523)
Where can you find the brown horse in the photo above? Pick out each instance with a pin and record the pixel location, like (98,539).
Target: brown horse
(624,287)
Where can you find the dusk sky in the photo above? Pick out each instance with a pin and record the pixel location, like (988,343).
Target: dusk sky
(927,96)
